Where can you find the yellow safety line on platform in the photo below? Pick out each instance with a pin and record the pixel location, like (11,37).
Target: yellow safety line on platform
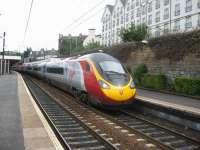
(188,109)
(50,132)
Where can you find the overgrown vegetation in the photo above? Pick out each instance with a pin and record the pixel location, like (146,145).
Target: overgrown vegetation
(92,45)
(176,46)
(187,86)
(134,33)
(158,82)
(138,73)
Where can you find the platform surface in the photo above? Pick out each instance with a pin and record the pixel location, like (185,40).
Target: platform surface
(169,100)
(21,126)
(11,134)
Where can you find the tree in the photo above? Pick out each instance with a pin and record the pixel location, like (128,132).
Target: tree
(92,45)
(134,33)
(27,52)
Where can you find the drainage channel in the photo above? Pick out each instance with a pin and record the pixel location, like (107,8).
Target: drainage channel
(72,133)
(162,135)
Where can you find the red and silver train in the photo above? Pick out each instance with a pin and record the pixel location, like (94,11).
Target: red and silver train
(97,78)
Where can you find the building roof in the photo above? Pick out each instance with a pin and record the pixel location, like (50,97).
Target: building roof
(11,57)
(110,7)
(123,2)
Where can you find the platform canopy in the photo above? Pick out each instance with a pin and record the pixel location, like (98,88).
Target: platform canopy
(11,57)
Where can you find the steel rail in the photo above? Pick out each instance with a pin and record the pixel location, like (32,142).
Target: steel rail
(190,141)
(53,111)
(149,138)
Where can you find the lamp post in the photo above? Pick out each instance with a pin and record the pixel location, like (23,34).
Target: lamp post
(70,44)
(4,34)
(170,16)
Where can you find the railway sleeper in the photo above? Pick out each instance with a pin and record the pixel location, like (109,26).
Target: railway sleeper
(84,144)
(79,137)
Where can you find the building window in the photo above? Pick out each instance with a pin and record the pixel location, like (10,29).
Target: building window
(143,10)
(143,20)
(177,25)
(198,23)
(117,14)
(138,12)
(150,32)
(188,7)
(198,4)
(166,13)
(157,16)
(127,17)
(113,23)
(137,2)
(157,32)
(166,28)
(117,21)
(118,31)
(114,14)
(166,2)
(188,22)
(138,21)
(150,6)
(122,19)
(157,4)
(128,6)
(132,14)
(150,20)
(132,6)
(177,10)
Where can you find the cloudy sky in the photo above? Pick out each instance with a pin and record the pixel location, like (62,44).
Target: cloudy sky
(48,19)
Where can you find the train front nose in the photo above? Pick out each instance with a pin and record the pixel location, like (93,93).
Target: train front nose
(119,94)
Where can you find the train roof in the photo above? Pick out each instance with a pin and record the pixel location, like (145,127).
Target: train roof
(97,57)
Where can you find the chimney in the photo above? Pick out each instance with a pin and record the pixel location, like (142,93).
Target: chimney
(91,32)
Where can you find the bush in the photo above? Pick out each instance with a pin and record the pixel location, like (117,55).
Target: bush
(134,33)
(154,81)
(138,73)
(187,86)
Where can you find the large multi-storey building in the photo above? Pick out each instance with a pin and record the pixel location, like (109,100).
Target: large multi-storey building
(66,44)
(161,17)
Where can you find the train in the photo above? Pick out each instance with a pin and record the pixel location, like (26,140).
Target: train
(96,78)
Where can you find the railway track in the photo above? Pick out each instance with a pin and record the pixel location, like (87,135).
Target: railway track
(160,136)
(72,133)
(163,136)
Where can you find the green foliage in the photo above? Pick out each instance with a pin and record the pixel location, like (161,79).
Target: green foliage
(92,45)
(139,72)
(27,52)
(78,49)
(187,86)
(158,82)
(176,46)
(134,33)
(70,45)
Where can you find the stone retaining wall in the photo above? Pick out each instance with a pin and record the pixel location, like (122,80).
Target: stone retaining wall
(188,67)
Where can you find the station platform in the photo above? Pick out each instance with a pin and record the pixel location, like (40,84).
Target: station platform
(181,103)
(22,125)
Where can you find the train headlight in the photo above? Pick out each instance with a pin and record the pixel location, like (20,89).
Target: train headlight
(132,85)
(103,84)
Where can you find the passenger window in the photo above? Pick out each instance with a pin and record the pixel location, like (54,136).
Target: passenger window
(87,67)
